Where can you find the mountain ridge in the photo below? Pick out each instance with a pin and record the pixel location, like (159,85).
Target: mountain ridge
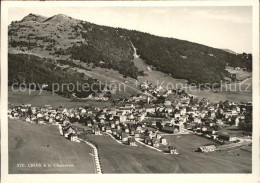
(63,37)
(33,17)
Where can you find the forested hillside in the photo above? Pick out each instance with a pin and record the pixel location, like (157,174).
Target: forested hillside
(182,59)
(24,68)
(62,37)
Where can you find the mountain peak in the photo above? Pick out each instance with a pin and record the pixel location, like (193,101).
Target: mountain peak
(229,51)
(33,17)
(62,15)
(59,18)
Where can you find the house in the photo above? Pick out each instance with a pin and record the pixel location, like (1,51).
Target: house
(120,117)
(214,137)
(167,103)
(103,128)
(137,133)
(39,115)
(163,141)
(123,136)
(126,130)
(158,136)
(108,129)
(67,131)
(176,130)
(118,127)
(130,117)
(150,110)
(80,131)
(33,117)
(153,123)
(114,132)
(220,121)
(27,105)
(117,122)
(28,119)
(132,131)
(34,110)
(177,115)
(168,129)
(131,141)
(237,122)
(227,137)
(140,117)
(83,111)
(66,122)
(96,131)
(129,106)
(40,121)
(139,129)
(172,150)
(112,125)
(73,137)
(209,148)
(102,116)
(24,109)
(88,123)
(51,120)
(118,134)
(155,142)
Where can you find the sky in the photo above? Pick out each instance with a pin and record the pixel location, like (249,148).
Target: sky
(225,27)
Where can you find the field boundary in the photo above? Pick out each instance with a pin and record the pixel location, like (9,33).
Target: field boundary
(151,147)
(96,156)
(114,138)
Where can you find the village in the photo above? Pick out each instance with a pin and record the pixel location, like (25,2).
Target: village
(147,118)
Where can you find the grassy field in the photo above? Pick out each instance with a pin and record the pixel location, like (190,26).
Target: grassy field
(240,74)
(46,98)
(125,87)
(118,158)
(128,87)
(29,143)
(229,92)
(231,161)
(234,96)
(156,77)
(233,130)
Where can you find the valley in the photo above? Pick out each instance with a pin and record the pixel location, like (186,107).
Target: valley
(146,104)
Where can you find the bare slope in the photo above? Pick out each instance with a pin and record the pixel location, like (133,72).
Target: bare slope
(63,37)
(30,143)
(47,98)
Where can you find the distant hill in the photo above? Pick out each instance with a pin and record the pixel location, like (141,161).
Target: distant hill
(65,38)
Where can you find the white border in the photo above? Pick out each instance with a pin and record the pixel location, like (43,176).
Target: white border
(200,178)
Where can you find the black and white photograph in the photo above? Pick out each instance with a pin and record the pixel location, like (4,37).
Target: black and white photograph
(130,89)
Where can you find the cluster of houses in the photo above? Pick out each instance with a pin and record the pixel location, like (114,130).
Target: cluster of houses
(208,148)
(98,96)
(68,131)
(146,121)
